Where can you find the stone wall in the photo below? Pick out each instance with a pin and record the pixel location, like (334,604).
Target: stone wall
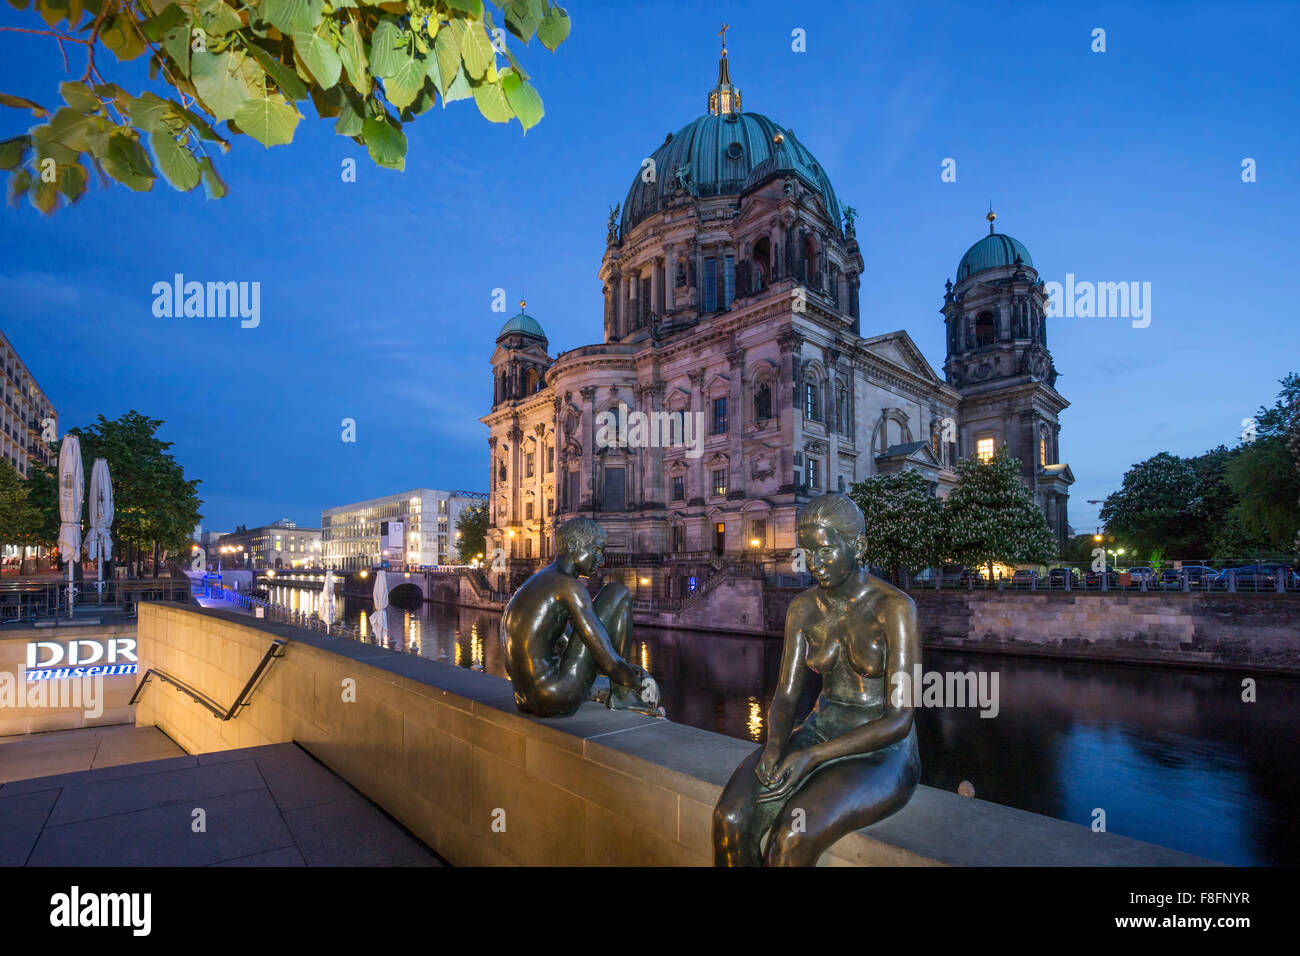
(26,708)
(1257,631)
(444,751)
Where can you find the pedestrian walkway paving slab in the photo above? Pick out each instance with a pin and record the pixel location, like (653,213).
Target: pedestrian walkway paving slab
(263,806)
(85,748)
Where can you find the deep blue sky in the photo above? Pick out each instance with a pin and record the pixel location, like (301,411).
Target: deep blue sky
(376,295)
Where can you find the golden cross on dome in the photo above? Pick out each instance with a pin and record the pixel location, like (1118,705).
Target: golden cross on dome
(723,33)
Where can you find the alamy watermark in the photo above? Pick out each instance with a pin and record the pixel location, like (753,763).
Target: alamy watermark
(632,429)
(1100,300)
(212,300)
(946,689)
(79,691)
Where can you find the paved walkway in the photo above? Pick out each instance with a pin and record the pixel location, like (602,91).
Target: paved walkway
(89,748)
(262,806)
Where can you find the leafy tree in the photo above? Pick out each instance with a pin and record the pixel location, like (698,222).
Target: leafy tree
(19,519)
(155,505)
(990,516)
(903,521)
(1265,475)
(1157,505)
(472,525)
(370,66)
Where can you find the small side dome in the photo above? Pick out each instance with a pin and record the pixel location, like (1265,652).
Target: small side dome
(523,323)
(991,252)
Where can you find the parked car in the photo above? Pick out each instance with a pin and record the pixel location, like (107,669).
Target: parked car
(1259,577)
(1024,577)
(1198,576)
(1092,579)
(971,576)
(1056,577)
(1138,575)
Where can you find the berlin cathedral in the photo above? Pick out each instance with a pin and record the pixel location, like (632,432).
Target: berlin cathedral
(731,286)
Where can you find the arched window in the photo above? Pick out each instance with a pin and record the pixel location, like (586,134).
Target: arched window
(812,406)
(809,260)
(762,260)
(984,329)
(843,423)
(763,402)
(532,381)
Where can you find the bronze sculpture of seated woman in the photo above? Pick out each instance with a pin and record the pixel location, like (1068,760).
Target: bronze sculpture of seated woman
(853,760)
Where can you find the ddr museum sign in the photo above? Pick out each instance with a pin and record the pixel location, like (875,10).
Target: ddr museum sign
(83,657)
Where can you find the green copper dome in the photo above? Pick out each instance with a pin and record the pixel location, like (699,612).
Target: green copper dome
(523,322)
(724,154)
(992,251)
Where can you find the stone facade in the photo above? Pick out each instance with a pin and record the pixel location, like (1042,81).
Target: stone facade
(731,302)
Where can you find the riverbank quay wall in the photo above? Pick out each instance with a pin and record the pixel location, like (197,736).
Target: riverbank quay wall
(1236,631)
(444,751)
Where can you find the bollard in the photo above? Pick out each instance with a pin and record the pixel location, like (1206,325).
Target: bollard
(1187,580)
(1143,584)
(1069,573)
(1279,580)
(1232,582)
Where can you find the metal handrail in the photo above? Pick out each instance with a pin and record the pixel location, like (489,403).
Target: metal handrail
(203,699)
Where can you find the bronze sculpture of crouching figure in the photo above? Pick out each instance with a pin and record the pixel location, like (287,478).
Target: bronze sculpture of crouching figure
(853,760)
(558,640)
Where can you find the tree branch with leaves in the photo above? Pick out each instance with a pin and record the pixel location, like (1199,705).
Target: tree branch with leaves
(371,67)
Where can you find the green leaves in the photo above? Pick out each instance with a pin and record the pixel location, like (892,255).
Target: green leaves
(554,28)
(176,162)
(491,102)
(128,163)
(270,121)
(524,101)
(387,143)
(224,81)
(290,16)
(319,57)
(21,102)
(523,17)
(256,59)
(11,151)
(476,50)
(388,49)
(158,27)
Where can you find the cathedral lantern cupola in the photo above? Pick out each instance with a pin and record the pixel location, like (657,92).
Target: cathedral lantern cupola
(724,98)
(520,362)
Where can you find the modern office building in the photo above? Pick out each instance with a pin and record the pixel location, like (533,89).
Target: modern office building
(280,544)
(411,529)
(27,419)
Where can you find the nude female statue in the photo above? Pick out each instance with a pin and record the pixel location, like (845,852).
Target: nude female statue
(853,760)
(558,640)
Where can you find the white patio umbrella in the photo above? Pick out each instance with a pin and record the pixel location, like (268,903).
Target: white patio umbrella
(99,544)
(379,616)
(327,600)
(71,489)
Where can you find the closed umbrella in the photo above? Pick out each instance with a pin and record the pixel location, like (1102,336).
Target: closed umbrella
(379,616)
(99,544)
(71,489)
(327,600)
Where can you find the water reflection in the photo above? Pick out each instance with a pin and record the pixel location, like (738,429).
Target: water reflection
(1172,757)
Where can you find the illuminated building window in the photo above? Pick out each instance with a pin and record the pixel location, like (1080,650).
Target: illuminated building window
(679,488)
(984,449)
(1042,450)
(720,482)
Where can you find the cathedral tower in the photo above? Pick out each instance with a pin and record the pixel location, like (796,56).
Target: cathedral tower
(996,318)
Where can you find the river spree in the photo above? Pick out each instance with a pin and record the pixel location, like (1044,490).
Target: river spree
(1172,757)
